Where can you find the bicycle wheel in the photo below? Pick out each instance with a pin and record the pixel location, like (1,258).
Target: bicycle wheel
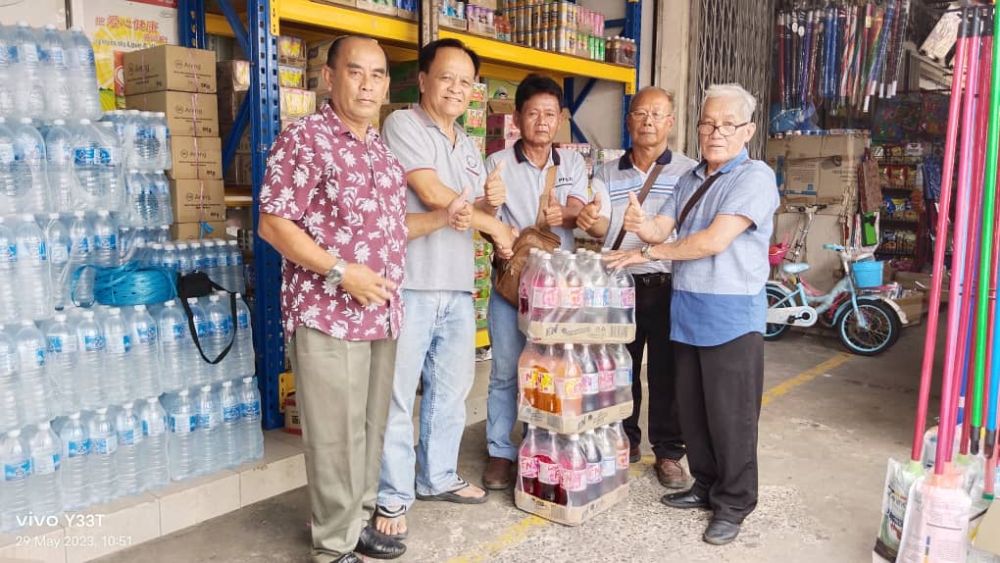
(775,331)
(882,330)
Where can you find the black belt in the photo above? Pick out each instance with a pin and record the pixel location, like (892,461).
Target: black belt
(651,280)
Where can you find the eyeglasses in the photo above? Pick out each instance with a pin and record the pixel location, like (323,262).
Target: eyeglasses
(640,115)
(707,129)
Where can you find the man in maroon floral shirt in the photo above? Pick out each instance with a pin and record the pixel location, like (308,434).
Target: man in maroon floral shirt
(333,204)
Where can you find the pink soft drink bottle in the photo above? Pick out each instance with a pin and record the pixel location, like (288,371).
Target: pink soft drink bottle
(606,388)
(589,379)
(548,466)
(621,297)
(544,292)
(570,291)
(572,473)
(524,284)
(623,373)
(527,474)
(595,289)
(588,441)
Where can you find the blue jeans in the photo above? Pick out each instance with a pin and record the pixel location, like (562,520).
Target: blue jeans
(507,342)
(437,346)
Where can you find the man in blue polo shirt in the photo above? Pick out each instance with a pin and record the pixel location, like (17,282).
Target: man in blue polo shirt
(719,308)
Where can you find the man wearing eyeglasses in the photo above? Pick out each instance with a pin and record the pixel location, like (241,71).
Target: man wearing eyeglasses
(723,216)
(615,185)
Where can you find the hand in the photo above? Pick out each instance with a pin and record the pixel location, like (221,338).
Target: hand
(503,242)
(554,211)
(635,218)
(496,190)
(366,286)
(624,258)
(589,214)
(460,212)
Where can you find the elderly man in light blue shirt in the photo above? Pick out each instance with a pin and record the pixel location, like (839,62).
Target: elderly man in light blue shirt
(722,213)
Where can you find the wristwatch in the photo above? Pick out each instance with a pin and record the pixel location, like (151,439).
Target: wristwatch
(647,252)
(335,275)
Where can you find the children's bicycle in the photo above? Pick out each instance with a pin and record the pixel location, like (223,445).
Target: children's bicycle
(867,322)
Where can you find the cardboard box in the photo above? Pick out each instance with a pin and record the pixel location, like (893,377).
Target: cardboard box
(296,102)
(405,14)
(293,421)
(291,76)
(193,231)
(569,516)
(502,126)
(233,76)
(460,24)
(198,200)
(229,106)
(573,424)
(351,3)
(315,81)
(115,27)
(196,157)
(239,173)
(317,52)
(497,145)
(488,4)
(387,7)
(168,67)
(191,115)
(500,106)
(914,306)
(579,333)
(501,90)
(819,168)
(477,99)
(291,50)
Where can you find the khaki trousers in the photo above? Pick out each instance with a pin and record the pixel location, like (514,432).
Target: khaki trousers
(343,391)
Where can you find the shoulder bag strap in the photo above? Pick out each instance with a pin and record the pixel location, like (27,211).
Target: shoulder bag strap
(193,329)
(689,206)
(646,186)
(543,201)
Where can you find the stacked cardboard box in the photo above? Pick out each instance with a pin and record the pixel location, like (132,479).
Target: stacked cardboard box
(501,131)
(474,119)
(181,83)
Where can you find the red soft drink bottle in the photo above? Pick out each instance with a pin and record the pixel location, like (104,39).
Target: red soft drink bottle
(588,442)
(526,366)
(609,459)
(589,379)
(527,474)
(544,292)
(568,382)
(548,466)
(606,389)
(524,284)
(572,473)
(621,447)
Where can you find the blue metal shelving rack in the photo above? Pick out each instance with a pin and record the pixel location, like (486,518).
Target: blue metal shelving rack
(260,112)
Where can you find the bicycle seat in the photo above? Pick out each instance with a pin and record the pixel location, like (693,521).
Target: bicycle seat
(795,268)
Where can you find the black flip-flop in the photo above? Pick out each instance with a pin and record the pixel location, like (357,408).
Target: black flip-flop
(392,515)
(450,496)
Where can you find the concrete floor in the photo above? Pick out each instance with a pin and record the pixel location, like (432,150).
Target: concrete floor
(829,422)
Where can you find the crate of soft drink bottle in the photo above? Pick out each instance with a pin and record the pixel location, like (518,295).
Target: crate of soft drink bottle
(574,387)
(573,298)
(569,478)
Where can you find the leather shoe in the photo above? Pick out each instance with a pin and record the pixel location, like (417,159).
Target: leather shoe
(377,545)
(497,476)
(685,499)
(720,532)
(634,455)
(347,558)
(671,474)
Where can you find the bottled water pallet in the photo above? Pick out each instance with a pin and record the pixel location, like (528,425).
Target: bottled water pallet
(562,424)
(579,333)
(566,515)
(104,529)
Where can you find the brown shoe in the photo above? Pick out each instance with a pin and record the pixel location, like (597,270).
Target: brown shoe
(497,476)
(671,474)
(634,455)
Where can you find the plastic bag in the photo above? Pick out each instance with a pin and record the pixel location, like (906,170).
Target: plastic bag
(899,480)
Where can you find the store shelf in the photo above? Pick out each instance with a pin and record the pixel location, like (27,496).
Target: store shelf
(501,60)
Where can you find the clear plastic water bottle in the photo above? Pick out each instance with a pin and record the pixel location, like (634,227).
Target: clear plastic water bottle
(185,264)
(104,245)
(170,259)
(31,182)
(253,433)
(10,417)
(229,433)
(153,448)
(129,443)
(118,357)
(621,297)
(137,208)
(570,291)
(595,288)
(45,482)
(220,335)
(74,473)
(109,161)
(16,464)
(176,347)
(163,137)
(83,73)
(9,307)
(33,277)
(9,187)
(80,283)
(90,371)
(200,370)
(146,365)
(63,363)
(623,372)
(246,358)
(29,88)
(160,189)
(59,247)
(101,462)
(210,261)
(7,101)
(163,231)
(55,75)
(207,435)
(182,422)
(59,154)
(235,261)
(36,393)
(146,144)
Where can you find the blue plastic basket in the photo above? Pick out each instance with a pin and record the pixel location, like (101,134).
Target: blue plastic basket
(867,274)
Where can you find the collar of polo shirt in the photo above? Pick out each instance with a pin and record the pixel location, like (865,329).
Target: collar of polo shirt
(625,162)
(727,168)
(521,158)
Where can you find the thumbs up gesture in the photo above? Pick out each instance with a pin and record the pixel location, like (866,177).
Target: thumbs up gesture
(589,214)
(460,212)
(634,215)
(554,211)
(496,190)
